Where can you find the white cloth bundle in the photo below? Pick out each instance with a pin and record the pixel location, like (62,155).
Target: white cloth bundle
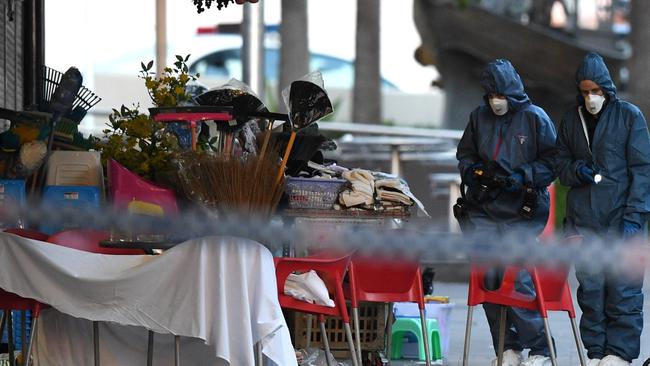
(308,287)
(392,190)
(393,196)
(362,191)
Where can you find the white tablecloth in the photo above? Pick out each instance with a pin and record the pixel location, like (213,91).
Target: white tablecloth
(218,291)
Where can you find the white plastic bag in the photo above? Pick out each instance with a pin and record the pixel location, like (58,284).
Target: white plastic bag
(308,287)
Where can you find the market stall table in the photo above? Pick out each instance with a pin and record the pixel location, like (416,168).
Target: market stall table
(219,293)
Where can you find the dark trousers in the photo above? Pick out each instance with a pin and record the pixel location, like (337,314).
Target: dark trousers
(612,313)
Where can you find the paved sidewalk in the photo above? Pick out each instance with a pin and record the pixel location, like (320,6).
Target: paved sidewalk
(482,352)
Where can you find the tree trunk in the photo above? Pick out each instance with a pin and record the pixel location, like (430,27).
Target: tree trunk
(366,106)
(541,12)
(294,53)
(639,64)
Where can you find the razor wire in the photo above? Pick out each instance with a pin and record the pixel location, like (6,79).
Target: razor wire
(415,239)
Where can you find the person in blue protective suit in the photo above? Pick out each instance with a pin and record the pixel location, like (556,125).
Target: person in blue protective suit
(506,164)
(603,155)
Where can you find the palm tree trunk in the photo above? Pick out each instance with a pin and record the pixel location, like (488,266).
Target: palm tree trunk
(294,53)
(639,64)
(367,89)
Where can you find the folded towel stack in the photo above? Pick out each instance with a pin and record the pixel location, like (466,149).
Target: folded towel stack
(361,191)
(374,191)
(391,193)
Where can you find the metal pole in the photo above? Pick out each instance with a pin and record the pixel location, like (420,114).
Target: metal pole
(326,342)
(150,348)
(389,332)
(468,335)
(502,335)
(309,320)
(259,355)
(425,338)
(395,160)
(454,195)
(177,350)
(96,342)
(34,50)
(348,335)
(28,353)
(3,321)
(578,340)
(161,36)
(357,332)
(10,339)
(253,47)
(549,340)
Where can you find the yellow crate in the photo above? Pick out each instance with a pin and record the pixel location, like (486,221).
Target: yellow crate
(373,325)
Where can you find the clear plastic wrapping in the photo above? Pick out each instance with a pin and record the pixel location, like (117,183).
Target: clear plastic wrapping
(306,100)
(244,101)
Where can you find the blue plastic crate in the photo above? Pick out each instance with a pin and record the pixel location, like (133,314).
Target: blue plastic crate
(12,195)
(12,191)
(61,197)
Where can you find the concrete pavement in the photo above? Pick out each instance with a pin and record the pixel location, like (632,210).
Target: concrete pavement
(482,352)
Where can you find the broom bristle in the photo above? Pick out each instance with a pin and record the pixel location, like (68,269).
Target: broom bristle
(233,185)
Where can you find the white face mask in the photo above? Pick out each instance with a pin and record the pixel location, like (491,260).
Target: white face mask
(594,103)
(499,106)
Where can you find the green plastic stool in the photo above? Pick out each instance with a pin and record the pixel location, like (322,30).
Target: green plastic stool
(402,326)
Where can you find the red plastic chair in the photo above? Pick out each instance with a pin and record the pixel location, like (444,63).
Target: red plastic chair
(10,301)
(552,294)
(331,271)
(377,279)
(88,240)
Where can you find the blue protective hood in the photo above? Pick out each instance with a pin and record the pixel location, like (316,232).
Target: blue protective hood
(500,77)
(593,68)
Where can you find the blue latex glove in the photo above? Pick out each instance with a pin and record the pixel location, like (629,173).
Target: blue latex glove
(586,174)
(630,228)
(515,182)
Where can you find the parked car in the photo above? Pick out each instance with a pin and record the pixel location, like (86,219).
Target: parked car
(226,64)
(218,58)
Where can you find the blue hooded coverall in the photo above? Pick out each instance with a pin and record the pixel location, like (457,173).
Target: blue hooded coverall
(612,306)
(523,141)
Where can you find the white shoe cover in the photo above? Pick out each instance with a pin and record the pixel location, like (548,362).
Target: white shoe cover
(537,360)
(593,362)
(612,360)
(510,358)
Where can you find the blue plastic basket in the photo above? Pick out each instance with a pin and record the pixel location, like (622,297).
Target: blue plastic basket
(56,197)
(313,193)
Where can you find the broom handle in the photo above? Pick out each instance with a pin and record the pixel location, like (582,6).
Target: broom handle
(265,144)
(287,152)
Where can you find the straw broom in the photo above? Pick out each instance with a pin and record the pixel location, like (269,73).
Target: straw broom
(244,186)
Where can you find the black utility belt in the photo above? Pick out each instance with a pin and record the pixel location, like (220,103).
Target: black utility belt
(527,209)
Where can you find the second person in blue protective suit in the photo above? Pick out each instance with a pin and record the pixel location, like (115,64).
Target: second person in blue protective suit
(508,149)
(603,154)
